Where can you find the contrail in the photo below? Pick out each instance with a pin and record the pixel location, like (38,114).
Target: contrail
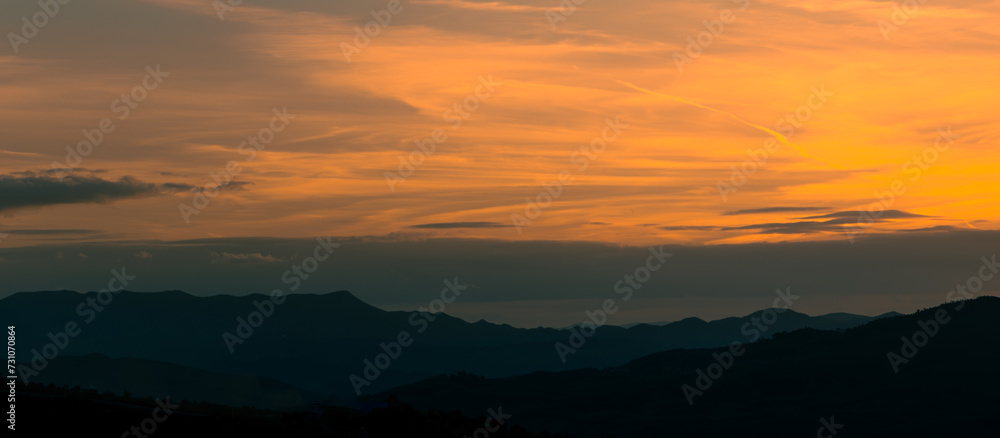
(777,135)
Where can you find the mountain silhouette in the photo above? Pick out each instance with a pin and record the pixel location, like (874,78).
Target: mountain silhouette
(778,387)
(326,338)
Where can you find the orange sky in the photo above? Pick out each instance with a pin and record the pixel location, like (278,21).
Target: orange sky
(657,182)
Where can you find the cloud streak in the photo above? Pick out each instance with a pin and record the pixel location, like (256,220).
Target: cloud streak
(18,192)
(48,232)
(888,214)
(766,210)
(449,225)
(239,258)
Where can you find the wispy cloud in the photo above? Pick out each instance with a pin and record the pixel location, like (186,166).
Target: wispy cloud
(888,214)
(773,210)
(482,6)
(445,225)
(241,258)
(834,223)
(47,232)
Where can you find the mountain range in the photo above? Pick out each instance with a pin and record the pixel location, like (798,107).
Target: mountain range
(925,374)
(313,343)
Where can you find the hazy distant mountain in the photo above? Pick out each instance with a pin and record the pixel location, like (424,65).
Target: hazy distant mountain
(781,387)
(316,342)
(657,323)
(845,317)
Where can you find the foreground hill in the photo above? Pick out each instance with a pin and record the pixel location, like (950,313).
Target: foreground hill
(779,387)
(315,342)
(144,378)
(114,415)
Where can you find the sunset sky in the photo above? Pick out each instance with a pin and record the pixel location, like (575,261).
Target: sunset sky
(865,108)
